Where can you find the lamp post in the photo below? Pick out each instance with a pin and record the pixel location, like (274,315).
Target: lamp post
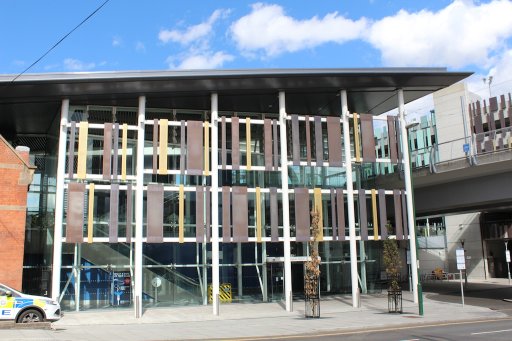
(413,227)
(488,81)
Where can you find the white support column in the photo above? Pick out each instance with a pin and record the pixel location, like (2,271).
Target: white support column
(286,207)
(139,209)
(409,196)
(350,200)
(215,202)
(59,199)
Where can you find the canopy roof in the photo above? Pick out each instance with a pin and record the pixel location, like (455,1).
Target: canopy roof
(31,102)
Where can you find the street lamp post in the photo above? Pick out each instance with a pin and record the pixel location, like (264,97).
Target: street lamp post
(488,81)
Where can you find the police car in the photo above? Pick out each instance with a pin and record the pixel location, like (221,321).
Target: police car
(22,308)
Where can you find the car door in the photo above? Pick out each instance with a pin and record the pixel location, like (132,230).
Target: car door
(7,305)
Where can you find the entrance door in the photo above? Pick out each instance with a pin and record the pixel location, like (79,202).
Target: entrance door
(275,274)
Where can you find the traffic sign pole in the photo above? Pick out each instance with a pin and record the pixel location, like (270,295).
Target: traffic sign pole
(461,265)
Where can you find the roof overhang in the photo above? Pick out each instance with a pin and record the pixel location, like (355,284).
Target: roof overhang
(307,90)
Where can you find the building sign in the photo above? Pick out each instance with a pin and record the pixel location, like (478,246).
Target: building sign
(121,288)
(461,260)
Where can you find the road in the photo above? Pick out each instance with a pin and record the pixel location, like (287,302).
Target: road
(496,330)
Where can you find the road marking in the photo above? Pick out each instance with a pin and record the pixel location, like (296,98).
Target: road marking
(289,337)
(493,332)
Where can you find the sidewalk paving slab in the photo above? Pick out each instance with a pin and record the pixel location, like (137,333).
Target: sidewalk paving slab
(247,320)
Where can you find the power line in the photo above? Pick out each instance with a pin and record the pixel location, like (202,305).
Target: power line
(61,40)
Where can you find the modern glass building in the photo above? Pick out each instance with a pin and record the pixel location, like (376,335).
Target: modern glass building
(196,187)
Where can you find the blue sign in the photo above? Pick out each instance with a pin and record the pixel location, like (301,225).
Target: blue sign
(465,147)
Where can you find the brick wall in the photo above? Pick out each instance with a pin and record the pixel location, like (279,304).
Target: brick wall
(15,176)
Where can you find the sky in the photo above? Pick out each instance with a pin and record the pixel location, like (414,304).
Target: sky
(461,35)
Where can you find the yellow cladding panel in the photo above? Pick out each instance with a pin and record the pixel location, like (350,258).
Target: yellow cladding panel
(258,215)
(374,213)
(318,207)
(248,142)
(90,214)
(124,146)
(357,145)
(181,213)
(206,148)
(162,152)
(82,149)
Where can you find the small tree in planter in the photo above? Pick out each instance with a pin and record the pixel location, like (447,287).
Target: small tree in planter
(312,273)
(393,264)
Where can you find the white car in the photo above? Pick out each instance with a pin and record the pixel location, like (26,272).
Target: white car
(23,308)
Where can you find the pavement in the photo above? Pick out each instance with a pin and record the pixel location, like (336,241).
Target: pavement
(260,320)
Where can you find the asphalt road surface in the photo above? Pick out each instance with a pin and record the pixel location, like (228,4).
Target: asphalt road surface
(495,330)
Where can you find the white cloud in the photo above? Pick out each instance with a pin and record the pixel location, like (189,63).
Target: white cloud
(460,34)
(194,32)
(71,64)
(501,78)
(140,47)
(197,61)
(116,41)
(269,29)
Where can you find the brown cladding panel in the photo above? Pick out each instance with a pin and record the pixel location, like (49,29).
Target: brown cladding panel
(240,215)
(129,212)
(226,214)
(113,224)
(71,150)
(75,213)
(363,216)
(383,216)
(274,230)
(493,104)
(334,141)
(302,210)
(183,133)
(503,103)
(295,140)
(235,143)
(107,150)
(319,145)
(116,151)
(398,215)
(308,141)
(199,214)
(333,215)
(155,146)
(194,148)
(340,207)
(155,212)
(393,146)
(223,153)
(208,214)
(368,138)
(405,221)
(267,132)
(276,150)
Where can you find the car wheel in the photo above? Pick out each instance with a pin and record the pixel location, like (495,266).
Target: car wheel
(29,316)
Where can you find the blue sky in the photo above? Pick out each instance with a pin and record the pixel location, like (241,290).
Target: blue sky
(154,35)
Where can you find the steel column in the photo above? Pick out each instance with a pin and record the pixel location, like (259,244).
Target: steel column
(139,209)
(59,199)
(350,200)
(215,202)
(286,208)
(408,189)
